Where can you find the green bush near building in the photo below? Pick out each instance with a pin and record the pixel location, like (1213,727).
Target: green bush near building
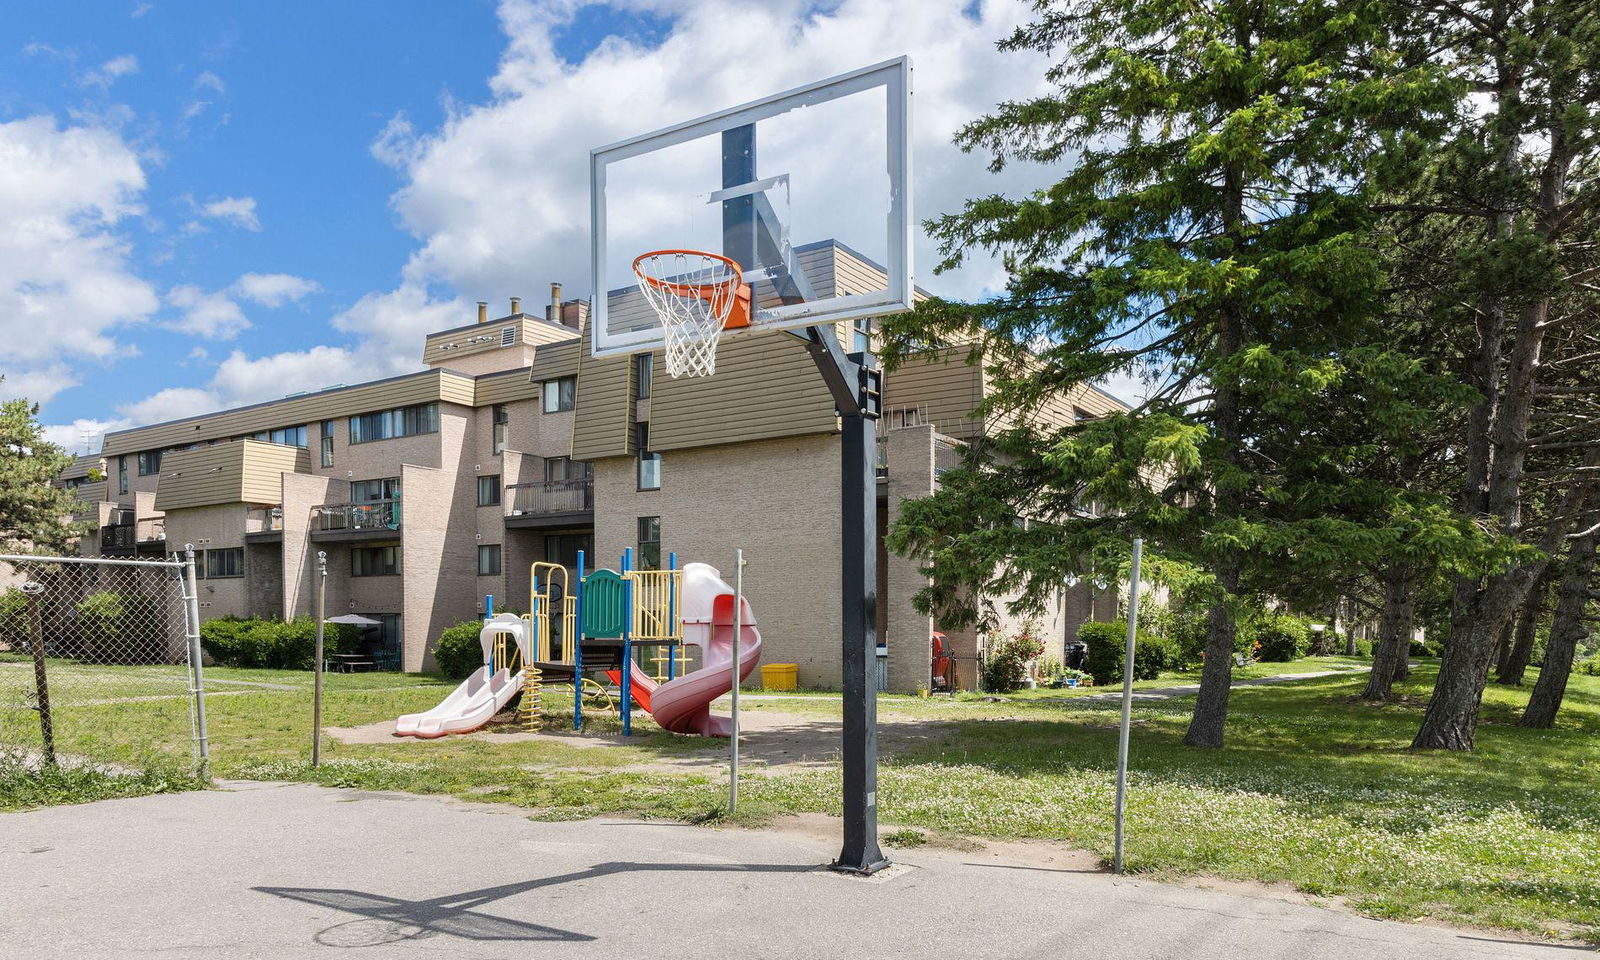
(1281,638)
(1106,641)
(116,627)
(274,644)
(459,652)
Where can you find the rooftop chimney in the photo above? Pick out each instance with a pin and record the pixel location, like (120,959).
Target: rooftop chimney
(516,305)
(554,313)
(483,311)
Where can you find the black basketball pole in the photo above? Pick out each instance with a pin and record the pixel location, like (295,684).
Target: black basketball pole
(856,385)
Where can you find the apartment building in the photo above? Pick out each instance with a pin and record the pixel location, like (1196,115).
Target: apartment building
(432,490)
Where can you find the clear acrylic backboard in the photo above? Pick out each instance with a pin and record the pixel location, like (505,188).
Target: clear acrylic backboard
(808,190)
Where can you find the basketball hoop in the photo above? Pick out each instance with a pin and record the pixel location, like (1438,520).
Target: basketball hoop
(697,295)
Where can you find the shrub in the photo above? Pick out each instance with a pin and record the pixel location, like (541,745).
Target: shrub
(1281,638)
(14,620)
(1364,647)
(1006,666)
(1107,641)
(122,628)
(1421,648)
(1590,666)
(274,644)
(459,652)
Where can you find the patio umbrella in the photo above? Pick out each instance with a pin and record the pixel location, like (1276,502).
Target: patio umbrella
(354,618)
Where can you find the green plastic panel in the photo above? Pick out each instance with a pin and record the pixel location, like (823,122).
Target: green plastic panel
(605,604)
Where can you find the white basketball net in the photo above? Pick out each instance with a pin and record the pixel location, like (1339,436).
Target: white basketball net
(692,293)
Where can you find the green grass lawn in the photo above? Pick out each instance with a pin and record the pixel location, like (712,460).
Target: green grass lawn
(1315,789)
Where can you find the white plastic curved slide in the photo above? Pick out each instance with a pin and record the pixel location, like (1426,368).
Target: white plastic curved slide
(480,696)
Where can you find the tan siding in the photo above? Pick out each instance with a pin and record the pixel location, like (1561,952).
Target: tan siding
(942,388)
(91,492)
(603,426)
(505,387)
(454,388)
(248,471)
(766,386)
(264,467)
(557,360)
(345,401)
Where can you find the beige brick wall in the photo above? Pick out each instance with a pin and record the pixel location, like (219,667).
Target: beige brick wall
(439,566)
(906,631)
(778,501)
(214,528)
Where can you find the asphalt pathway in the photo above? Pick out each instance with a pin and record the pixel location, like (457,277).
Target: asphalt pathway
(292,871)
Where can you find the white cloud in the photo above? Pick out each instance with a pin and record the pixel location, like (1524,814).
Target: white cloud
(213,315)
(391,325)
(498,195)
(170,404)
(66,282)
(38,385)
(274,289)
(206,80)
(239,211)
(110,72)
(140,9)
(82,435)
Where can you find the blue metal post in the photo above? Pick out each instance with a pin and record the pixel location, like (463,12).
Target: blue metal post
(488,606)
(672,617)
(577,653)
(627,644)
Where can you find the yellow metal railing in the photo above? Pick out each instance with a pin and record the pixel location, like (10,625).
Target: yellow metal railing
(655,612)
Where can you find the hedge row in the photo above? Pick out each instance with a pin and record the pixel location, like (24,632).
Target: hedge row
(274,644)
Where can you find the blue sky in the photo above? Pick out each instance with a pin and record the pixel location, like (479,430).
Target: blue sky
(212,204)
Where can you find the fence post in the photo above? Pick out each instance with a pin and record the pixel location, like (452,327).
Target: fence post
(191,617)
(316,665)
(33,589)
(738,624)
(1127,705)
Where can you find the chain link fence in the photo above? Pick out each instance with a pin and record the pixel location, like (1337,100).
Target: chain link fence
(99,663)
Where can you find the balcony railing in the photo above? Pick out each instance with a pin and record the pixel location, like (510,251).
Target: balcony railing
(550,496)
(371,515)
(263,520)
(132,535)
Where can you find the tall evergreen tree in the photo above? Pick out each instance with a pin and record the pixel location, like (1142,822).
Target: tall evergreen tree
(1208,233)
(34,514)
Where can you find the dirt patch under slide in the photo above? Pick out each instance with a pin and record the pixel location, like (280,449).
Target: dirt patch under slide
(770,739)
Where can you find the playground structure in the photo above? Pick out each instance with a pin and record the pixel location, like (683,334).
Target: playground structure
(570,636)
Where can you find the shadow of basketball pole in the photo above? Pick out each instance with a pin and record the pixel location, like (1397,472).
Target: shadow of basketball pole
(383,919)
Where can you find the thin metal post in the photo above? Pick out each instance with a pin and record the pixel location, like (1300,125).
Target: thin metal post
(577,651)
(316,665)
(41,685)
(192,625)
(672,617)
(488,606)
(627,644)
(738,624)
(1127,703)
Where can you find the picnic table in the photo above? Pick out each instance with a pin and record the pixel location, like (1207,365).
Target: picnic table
(352,663)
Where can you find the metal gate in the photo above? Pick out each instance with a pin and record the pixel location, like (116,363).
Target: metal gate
(100,663)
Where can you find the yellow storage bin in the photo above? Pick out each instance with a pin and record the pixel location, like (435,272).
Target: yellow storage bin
(780,676)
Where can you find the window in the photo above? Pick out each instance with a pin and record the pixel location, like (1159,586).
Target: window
(388,642)
(489,490)
(399,422)
(225,563)
(563,548)
(502,427)
(327,443)
(560,394)
(649,463)
(565,468)
(863,335)
(649,557)
(149,462)
(643,373)
(371,491)
(287,436)
(374,561)
(122,474)
(489,560)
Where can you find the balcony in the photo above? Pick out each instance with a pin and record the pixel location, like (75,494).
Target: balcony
(550,504)
(371,520)
(128,537)
(263,524)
